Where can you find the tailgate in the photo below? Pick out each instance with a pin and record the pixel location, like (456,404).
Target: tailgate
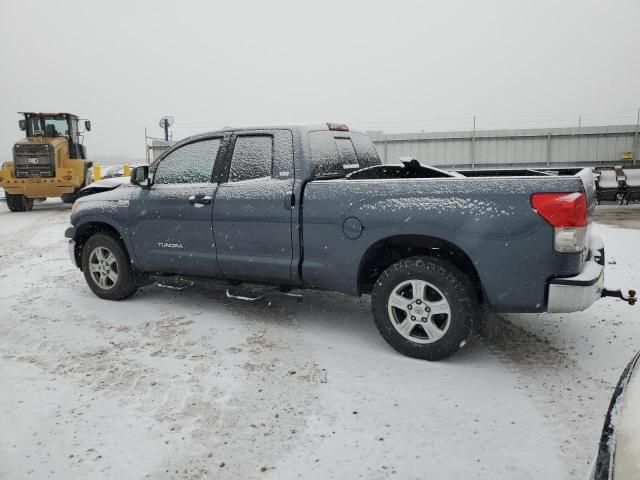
(589,183)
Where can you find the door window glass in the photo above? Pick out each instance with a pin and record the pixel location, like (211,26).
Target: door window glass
(191,163)
(252,158)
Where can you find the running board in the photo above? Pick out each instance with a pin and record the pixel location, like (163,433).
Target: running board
(248,295)
(177,284)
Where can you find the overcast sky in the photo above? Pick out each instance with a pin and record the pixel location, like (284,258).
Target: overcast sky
(395,65)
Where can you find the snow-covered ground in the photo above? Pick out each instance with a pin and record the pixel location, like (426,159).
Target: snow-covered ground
(193,385)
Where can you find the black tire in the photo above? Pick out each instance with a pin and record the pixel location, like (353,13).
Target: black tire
(72,197)
(69,197)
(18,203)
(451,285)
(125,284)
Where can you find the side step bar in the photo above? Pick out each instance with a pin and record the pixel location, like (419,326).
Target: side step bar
(254,295)
(244,292)
(175,283)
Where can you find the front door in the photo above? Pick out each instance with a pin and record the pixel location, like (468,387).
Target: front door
(171,227)
(252,213)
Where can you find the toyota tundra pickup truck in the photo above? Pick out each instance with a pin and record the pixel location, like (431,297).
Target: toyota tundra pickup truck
(300,207)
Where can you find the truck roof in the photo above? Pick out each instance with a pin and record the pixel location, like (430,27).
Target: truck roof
(299,128)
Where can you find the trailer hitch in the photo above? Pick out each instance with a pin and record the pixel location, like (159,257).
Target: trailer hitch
(630,299)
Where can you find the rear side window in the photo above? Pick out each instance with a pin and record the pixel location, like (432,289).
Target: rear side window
(347,153)
(365,150)
(337,153)
(252,158)
(191,163)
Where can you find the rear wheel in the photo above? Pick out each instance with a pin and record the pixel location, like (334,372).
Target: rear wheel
(18,203)
(107,268)
(424,307)
(69,197)
(72,197)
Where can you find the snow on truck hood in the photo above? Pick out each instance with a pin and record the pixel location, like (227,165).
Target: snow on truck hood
(108,183)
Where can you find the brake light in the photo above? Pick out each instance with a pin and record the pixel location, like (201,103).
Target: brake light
(338,127)
(561,209)
(567,214)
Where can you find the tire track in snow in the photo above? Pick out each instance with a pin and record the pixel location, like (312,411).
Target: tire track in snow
(561,390)
(15,245)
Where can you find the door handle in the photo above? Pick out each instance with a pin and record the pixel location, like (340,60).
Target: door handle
(289,201)
(199,200)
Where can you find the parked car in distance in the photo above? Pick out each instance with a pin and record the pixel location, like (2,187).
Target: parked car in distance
(312,207)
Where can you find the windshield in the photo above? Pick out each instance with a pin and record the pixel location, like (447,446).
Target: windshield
(48,126)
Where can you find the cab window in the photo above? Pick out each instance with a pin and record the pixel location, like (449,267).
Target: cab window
(191,163)
(252,158)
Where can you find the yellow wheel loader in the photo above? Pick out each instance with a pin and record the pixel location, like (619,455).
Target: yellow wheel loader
(49,162)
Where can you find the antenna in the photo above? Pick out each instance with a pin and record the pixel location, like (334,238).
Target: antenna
(165,123)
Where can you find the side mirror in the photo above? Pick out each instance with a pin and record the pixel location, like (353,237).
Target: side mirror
(87,125)
(22,124)
(140,176)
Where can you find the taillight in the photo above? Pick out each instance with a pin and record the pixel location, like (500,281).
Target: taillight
(338,127)
(561,209)
(567,214)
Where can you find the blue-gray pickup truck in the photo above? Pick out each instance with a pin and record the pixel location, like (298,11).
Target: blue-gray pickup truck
(299,207)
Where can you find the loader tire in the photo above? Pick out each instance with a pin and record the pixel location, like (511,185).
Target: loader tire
(69,197)
(18,203)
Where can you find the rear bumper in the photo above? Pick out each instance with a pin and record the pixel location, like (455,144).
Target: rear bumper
(577,293)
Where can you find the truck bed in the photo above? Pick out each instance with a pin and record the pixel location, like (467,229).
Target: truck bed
(487,214)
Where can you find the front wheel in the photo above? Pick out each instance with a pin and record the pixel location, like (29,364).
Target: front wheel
(424,307)
(18,203)
(107,268)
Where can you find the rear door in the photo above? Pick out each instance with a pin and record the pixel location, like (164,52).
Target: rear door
(252,212)
(171,227)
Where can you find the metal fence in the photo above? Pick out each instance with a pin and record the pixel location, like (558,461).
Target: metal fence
(585,146)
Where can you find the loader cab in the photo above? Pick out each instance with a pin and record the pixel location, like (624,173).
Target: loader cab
(52,125)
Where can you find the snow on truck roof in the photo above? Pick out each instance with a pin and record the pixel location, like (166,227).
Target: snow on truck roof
(301,127)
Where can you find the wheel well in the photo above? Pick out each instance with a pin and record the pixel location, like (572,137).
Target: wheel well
(86,231)
(385,253)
